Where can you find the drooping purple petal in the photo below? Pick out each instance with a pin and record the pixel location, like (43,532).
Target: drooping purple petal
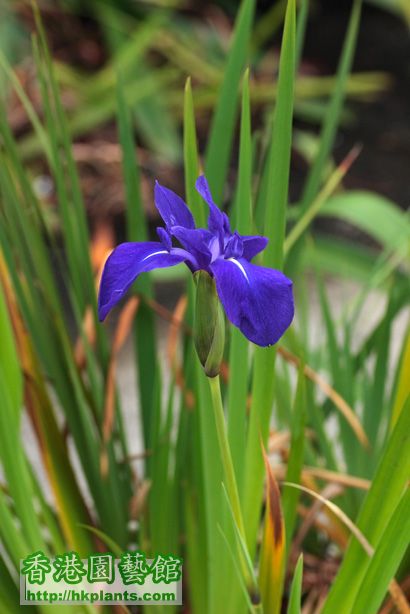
(197,242)
(172,208)
(258,300)
(124,265)
(217,221)
(252,245)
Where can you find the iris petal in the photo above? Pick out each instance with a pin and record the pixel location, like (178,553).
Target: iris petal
(124,265)
(258,300)
(197,242)
(172,208)
(165,238)
(217,221)
(252,245)
(234,246)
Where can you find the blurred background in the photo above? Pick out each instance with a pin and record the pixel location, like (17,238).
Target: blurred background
(155,45)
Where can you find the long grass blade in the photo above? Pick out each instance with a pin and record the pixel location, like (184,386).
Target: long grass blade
(191,159)
(386,490)
(272,556)
(294,606)
(223,121)
(238,351)
(386,559)
(144,332)
(276,198)
(296,455)
(331,120)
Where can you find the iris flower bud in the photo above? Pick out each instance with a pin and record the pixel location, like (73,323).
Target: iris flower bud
(209,325)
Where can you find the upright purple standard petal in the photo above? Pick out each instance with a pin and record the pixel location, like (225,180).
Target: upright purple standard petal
(165,238)
(196,242)
(258,300)
(217,221)
(124,265)
(234,246)
(172,208)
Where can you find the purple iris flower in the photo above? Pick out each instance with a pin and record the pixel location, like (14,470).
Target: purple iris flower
(256,299)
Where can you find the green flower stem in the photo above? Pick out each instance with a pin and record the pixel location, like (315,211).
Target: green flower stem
(228,469)
(230,480)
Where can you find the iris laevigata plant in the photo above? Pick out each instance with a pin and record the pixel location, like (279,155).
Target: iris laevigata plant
(258,300)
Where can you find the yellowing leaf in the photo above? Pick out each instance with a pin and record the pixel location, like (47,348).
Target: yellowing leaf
(272,557)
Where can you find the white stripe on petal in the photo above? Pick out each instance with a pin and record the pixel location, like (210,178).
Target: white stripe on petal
(238,264)
(163,251)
